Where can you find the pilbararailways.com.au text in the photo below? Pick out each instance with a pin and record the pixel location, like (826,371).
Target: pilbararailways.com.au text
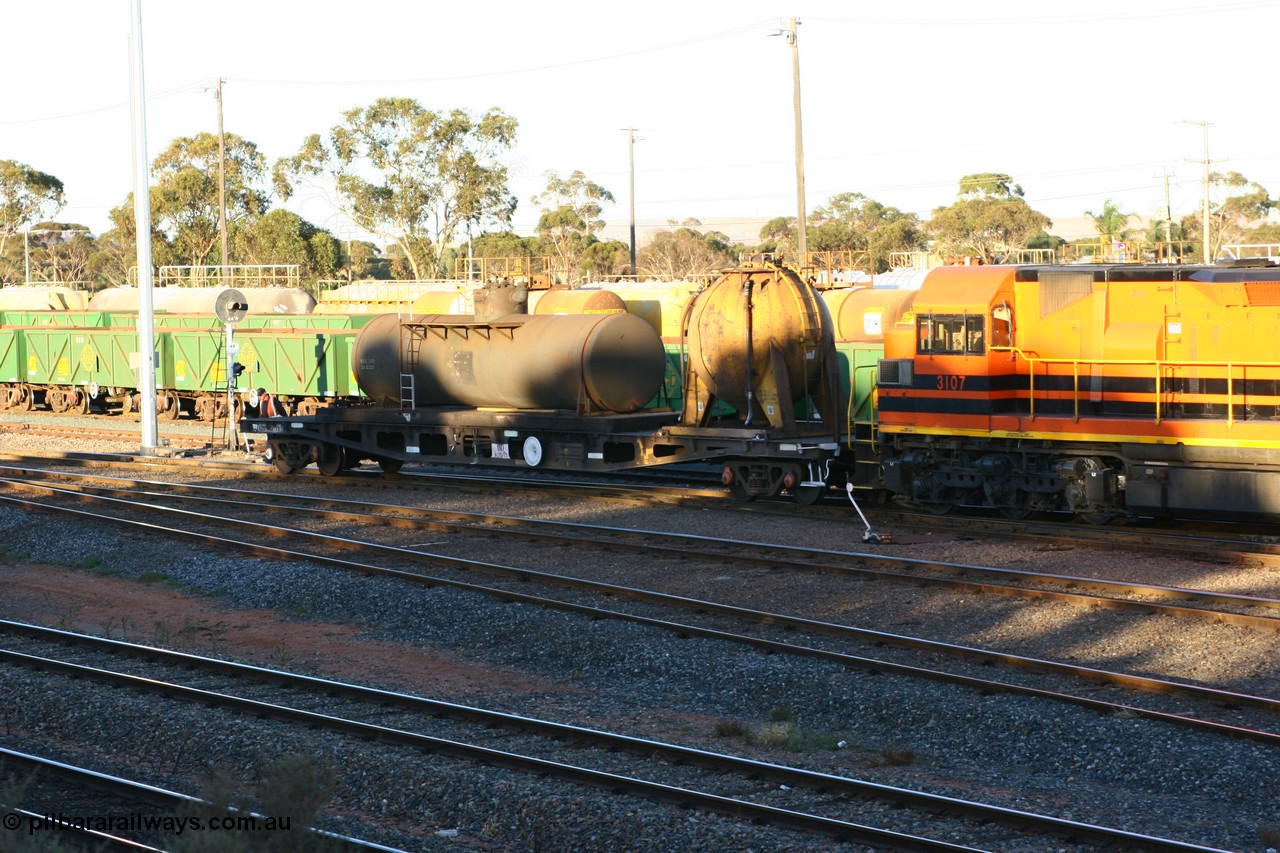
(139,822)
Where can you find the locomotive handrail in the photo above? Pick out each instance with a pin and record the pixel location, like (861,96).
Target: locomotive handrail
(1159,367)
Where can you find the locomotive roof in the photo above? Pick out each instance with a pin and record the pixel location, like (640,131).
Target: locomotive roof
(1252,271)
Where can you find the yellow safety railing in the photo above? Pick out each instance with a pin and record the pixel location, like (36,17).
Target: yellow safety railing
(1158,366)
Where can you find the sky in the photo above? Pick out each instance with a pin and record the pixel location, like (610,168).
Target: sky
(1078,101)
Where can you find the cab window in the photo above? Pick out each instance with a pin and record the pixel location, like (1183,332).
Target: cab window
(1002,325)
(950,334)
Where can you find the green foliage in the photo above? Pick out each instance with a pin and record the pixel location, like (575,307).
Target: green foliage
(778,235)
(27,195)
(283,237)
(1236,217)
(503,244)
(851,222)
(572,208)
(992,184)
(686,252)
(184,199)
(52,251)
(411,175)
(984,223)
(1111,221)
(604,259)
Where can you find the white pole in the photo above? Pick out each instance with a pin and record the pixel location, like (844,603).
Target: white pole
(142,220)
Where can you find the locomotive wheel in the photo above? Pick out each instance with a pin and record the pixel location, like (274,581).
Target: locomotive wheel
(1021,508)
(389,466)
(809,495)
(330,459)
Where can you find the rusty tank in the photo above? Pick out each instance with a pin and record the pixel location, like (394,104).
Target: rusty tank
(564,300)
(759,339)
(501,357)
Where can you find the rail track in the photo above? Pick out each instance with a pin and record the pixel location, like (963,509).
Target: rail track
(1244,716)
(1222,710)
(662,773)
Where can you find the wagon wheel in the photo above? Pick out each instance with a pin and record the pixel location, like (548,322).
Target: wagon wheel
(331,459)
(28,400)
(126,404)
(738,490)
(168,406)
(389,466)
(1103,517)
(83,402)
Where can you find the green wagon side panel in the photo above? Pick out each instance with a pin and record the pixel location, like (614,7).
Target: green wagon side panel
(66,319)
(298,362)
(110,357)
(13,360)
(196,359)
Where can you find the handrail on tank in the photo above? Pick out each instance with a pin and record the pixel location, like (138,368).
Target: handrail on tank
(234,275)
(1159,368)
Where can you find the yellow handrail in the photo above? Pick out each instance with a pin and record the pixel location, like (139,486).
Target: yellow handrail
(1159,367)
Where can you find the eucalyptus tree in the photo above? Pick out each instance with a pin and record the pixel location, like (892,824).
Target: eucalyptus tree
(185,196)
(854,223)
(1237,216)
(284,237)
(572,209)
(410,175)
(27,196)
(686,252)
(988,217)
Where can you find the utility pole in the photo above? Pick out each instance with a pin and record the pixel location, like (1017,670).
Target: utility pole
(802,239)
(222,179)
(1168,211)
(631,150)
(1204,210)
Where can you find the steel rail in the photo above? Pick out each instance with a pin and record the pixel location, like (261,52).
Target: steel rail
(675,795)
(534,529)
(141,791)
(823,782)
(1225,698)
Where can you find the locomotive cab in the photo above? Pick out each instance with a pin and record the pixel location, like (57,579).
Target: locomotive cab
(948,363)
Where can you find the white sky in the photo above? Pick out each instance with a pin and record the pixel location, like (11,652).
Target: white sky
(1079,101)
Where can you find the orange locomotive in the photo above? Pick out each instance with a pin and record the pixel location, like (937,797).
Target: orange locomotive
(1100,390)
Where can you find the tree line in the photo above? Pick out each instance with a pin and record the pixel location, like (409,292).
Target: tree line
(433,186)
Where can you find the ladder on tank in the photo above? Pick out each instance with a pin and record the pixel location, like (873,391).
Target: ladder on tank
(409,351)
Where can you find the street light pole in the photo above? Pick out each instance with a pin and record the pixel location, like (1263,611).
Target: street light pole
(631,150)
